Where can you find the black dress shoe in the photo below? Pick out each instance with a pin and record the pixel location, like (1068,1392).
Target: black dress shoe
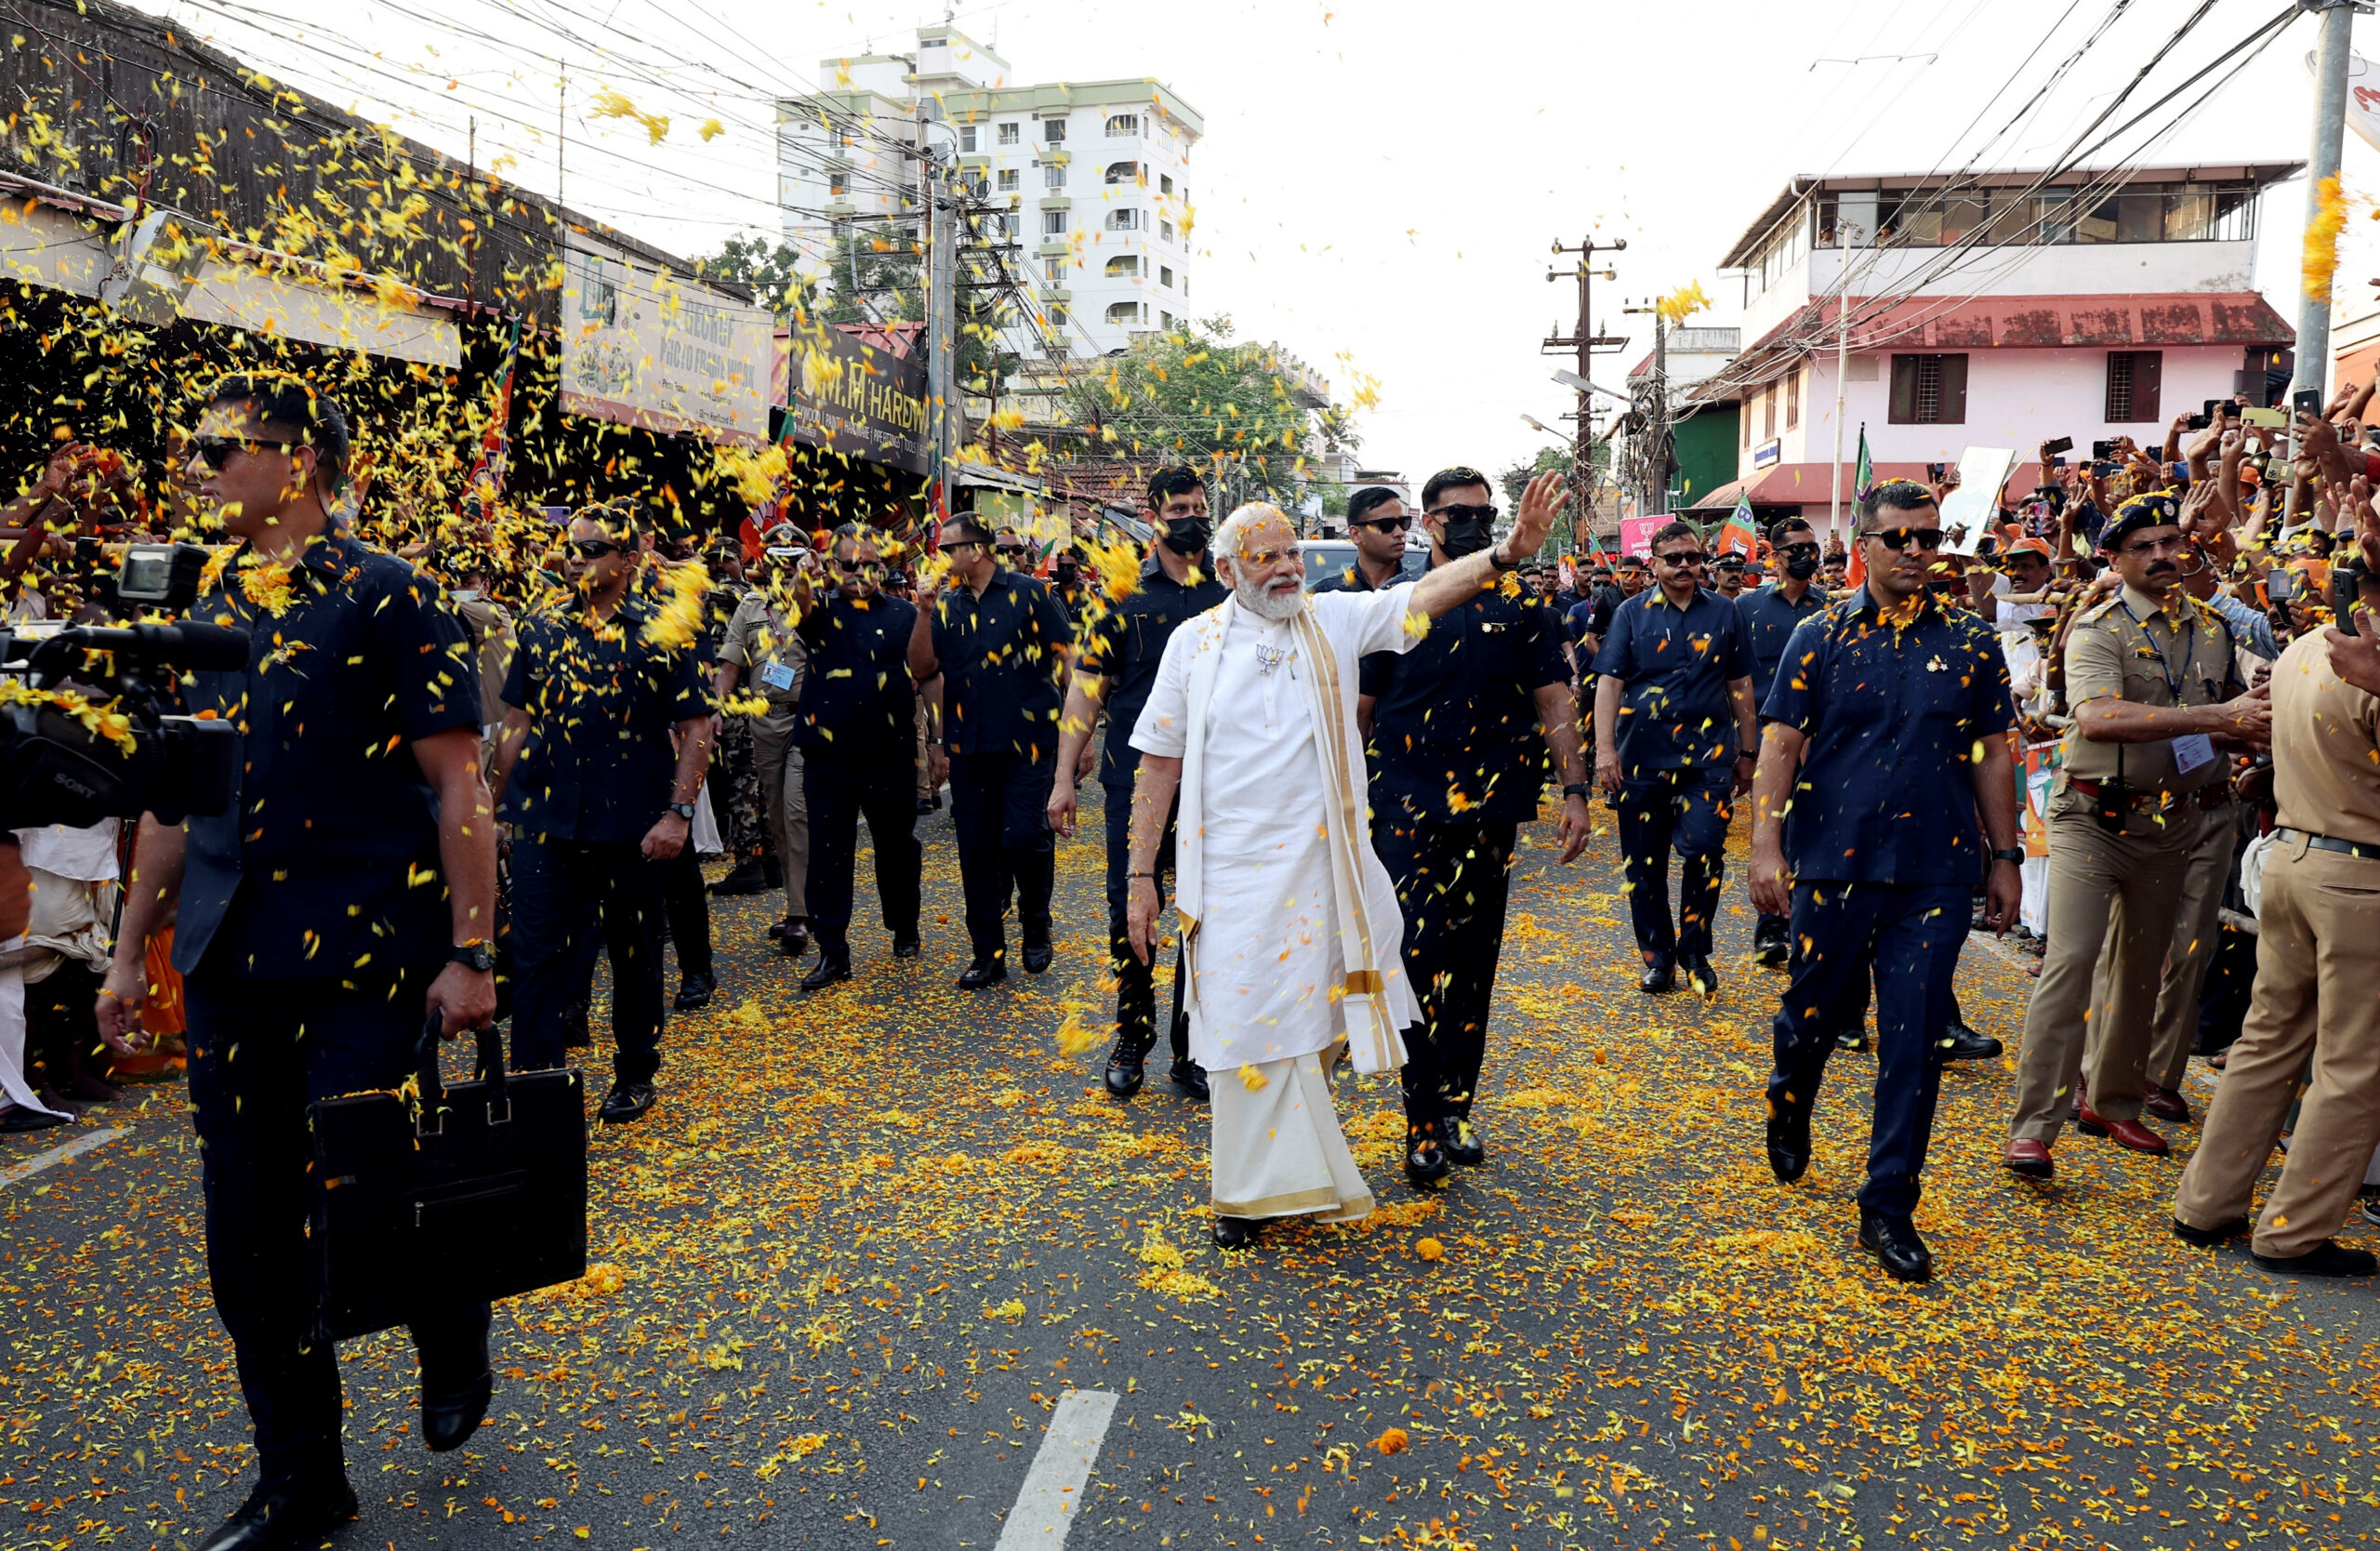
(926,807)
(831,967)
(2207,1239)
(1038,957)
(905,945)
(1771,949)
(574,1032)
(1851,1040)
(1463,1143)
(1894,1241)
(457,1385)
(1962,1044)
(1234,1233)
(627,1103)
(1701,978)
(2328,1258)
(1128,1063)
(1659,976)
(748,878)
(1425,1160)
(983,972)
(695,990)
(1190,1078)
(1789,1141)
(286,1518)
(793,939)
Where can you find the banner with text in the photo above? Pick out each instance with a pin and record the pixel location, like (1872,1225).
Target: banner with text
(852,398)
(642,347)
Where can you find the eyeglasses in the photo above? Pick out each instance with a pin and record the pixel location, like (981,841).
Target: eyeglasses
(1897,540)
(1386,524)
(1681,561)
(1801,548)
(216,451)
(1456,513)
(596,548)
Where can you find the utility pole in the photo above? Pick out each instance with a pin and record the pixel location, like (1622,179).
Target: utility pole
(942,311)
(2313,363)
(1841,368)
(1583,339)
(1652,416)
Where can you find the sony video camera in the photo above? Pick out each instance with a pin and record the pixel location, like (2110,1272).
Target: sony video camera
(55,769)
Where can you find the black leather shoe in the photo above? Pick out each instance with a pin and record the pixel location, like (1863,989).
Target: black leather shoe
(1425,1160)
(1894,1241)
(1962,1044)
(1190,1078)
(2328,1258)
(1128,1063)
(1851,1040)
(576,1034)
(983,972)
(694,991)
(1463,1143)
(1234,1233)
(1771,949)
(793,939)
(627,1103)
(748,878)
(2207,1239)
(1701,978)
(1789,1141)
(286,1518)
(1659,976)
(926,807)
(831,967)
(1037,958)
(905,945)
(457,1385)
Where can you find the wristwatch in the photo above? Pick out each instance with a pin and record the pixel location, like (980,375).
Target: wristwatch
(1496,558)
(684,810)
(1579,789)
(2014,853)
(1748,754)
(478,955)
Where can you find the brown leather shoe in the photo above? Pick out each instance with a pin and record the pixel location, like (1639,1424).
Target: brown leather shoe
(2027,1156)
(2124,1133)
(2165,1103)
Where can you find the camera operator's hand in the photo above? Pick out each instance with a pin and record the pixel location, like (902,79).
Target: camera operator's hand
(665,839)
(118,1008)
(462,998)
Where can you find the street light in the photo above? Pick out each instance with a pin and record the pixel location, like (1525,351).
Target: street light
(1572,379)
(1535,424)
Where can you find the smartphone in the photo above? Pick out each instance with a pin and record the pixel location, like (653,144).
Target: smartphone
(2280,585)
(2064,444)
(2104,469)
(2199,422)
(1934,474)
(2103,450)
(2179,471)
(2270,419)
(2057,460)
(2306,401)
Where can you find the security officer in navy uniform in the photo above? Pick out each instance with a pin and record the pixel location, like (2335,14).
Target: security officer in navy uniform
(344,898)
(1454,727)
(1884,774)
(857,730)
(1377,521)
(1115,670)
(599,800)
(1771,613)
(999,642)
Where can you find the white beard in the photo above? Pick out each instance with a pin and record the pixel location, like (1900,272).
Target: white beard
(1275,606)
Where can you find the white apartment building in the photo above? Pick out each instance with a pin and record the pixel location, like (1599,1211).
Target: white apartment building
(2007,311)
(1090,178)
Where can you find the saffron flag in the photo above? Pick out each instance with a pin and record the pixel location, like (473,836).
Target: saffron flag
(485,483)
(1740,535)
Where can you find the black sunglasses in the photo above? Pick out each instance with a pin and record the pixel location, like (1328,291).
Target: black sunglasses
(216,451)
(596,548)
(1897,540)
(1691,559)
(1386,524)
(1011,549)
(1801,548)
(1484,513)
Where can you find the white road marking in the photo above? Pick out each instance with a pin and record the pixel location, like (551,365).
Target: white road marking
(74,1148)
(1045,1508)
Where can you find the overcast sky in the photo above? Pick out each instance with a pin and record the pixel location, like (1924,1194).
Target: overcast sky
(1380,183)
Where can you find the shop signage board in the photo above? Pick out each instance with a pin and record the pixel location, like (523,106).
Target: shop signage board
(643,347)
(852,398)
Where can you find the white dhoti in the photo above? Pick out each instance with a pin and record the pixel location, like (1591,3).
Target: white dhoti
(1278,1150)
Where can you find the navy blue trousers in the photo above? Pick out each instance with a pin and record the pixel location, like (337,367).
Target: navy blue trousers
(1453,880)
(840,792)
(260,1052)
(1908,938)
(561,890)
(1136,982)
(1688,810)
(1000,813)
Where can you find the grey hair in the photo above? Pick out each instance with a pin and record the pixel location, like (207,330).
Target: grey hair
(1225,544)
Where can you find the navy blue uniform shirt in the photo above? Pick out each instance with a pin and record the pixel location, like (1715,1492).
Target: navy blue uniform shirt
(1771,617)
(1454,719)
(328,863)
(597,766)
(858,701)
(1124,646)
(1674,665)
(1894,718)
(999,657)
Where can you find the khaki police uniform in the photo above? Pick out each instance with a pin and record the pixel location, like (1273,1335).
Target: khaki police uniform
(2117,888)
(2317,977)
(2197,920)
(770,659)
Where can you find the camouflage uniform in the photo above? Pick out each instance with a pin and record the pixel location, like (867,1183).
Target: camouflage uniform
(758,641)
(737,761)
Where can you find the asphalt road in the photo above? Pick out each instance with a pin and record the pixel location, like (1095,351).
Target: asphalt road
(871,1239)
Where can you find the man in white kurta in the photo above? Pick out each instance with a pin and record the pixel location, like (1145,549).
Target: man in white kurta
(1290,922)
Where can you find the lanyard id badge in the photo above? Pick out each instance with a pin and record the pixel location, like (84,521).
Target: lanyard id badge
(777,676)
(2192,750)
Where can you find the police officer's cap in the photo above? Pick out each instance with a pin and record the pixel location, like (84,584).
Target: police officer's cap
(2156,510)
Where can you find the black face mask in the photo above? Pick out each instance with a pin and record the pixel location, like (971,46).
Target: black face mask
(1188,536)
(1801,567)
(1466,536)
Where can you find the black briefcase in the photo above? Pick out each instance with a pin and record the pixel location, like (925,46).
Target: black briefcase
(474,1193)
